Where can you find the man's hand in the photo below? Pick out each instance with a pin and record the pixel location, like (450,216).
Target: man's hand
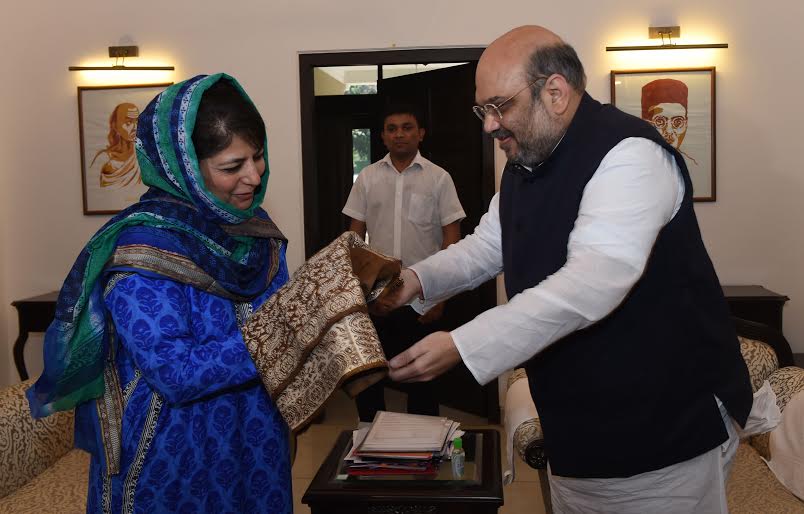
(410,288)
(432,315)
(425,360)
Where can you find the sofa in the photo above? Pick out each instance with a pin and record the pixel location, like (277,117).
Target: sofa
(40,471)
(752,487)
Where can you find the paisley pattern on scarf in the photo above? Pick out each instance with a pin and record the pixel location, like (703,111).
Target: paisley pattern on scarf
(314,335)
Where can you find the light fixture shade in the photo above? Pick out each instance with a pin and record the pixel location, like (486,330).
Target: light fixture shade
(121,68)
(666,34)
(665,47)
(121,52)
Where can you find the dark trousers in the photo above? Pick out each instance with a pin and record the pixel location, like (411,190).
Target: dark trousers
(398,331)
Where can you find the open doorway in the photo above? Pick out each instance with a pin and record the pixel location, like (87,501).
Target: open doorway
(342,96)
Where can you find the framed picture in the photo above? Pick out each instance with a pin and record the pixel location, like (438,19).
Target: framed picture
(680,103)
(107,125)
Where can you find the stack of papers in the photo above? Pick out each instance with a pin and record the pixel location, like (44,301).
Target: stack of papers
(396,443)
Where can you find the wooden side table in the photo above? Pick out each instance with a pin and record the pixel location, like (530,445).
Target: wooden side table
(479,491)
(35,315)
(755,303)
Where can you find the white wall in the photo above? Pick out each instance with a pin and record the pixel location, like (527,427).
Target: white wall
(751,231)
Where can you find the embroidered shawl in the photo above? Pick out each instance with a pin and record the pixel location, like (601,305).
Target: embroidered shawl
(314,334)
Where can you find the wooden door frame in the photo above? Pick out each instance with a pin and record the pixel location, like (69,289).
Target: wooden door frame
(310,60)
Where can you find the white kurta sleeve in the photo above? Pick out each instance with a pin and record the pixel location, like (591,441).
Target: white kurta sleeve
(464,265)
(635,191)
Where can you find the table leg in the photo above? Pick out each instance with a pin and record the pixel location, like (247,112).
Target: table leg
(19,356)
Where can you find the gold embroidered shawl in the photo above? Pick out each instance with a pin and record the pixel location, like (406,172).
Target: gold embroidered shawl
(314,334)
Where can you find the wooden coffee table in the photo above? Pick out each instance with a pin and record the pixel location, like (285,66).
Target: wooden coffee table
(479,491)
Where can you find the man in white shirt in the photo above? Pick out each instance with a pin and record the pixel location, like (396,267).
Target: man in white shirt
(615,309)
(410,209)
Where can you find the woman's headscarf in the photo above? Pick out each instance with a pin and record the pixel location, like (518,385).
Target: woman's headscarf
(178,229)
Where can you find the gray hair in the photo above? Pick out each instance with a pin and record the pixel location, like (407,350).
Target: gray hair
(558,59)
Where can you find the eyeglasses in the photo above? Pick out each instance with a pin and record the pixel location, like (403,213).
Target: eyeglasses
(481,111)
(676,122)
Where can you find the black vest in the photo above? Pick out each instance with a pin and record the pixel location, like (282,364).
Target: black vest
(634,392)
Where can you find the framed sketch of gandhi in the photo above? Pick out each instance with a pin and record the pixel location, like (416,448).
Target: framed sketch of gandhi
(680,103)
(107,125)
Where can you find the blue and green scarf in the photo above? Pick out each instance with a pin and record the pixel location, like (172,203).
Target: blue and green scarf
(178,229)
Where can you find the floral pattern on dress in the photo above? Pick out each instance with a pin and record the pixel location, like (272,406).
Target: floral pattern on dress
(216,443)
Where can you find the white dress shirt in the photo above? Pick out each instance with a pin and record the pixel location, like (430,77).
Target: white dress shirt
(404,212)
(636,190)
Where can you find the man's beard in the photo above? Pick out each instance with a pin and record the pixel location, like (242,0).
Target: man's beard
(536,140)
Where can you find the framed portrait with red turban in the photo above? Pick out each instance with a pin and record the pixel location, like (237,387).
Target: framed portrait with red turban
(680,104)
(107,127)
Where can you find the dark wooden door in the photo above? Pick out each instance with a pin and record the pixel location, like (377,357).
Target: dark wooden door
(455,141)
(335,118)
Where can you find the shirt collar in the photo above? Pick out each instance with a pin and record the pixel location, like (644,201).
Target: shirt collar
(416,160)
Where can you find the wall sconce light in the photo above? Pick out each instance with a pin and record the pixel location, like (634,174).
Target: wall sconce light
(120,53)
(666,34)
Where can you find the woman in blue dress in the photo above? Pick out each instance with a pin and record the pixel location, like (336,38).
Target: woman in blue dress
(147,343)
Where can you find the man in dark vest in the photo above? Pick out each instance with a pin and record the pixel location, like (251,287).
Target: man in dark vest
(615,309)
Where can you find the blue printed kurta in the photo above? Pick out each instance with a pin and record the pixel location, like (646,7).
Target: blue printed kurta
(199,431)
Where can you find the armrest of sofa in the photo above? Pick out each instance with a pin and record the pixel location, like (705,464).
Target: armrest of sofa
(772,337)
(524,435)
(786,382)
(522,425)
(785,442)
(529,444)
(760,359)
(28,446)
